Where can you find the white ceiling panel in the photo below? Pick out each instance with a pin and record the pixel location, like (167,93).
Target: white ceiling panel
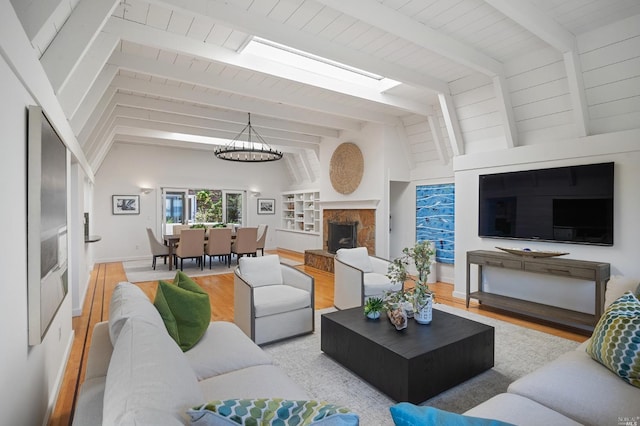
(189,54)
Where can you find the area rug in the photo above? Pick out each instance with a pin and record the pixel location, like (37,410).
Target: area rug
(518,351)
(141,270)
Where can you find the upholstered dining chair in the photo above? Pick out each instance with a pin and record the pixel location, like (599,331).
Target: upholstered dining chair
(191,246)
(246,242)
(157,248)
(272,301)
(218,244)
(177,229)
(262,237)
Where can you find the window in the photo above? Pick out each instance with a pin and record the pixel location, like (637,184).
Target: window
(209,206)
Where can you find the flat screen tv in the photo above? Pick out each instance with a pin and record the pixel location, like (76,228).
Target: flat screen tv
(564,204)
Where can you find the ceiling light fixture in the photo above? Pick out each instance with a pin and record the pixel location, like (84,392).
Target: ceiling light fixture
(248,147)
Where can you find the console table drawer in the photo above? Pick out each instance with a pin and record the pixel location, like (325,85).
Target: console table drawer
(568,271)
(494,261)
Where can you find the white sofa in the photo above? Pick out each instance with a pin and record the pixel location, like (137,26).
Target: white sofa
(573,389)
(137,374)
(359,276)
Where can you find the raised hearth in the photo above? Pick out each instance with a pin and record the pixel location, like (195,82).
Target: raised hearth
(319,259)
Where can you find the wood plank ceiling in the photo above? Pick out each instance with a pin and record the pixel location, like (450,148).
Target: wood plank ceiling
(173,72)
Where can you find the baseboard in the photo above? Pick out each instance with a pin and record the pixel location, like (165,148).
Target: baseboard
(59,379)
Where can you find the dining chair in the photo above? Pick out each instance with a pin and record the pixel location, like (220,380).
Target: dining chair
(262,237)
(157,248)
(246,242)
(191,246)
(177,229)
(218,244)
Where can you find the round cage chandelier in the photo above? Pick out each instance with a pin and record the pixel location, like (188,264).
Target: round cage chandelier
(248,147)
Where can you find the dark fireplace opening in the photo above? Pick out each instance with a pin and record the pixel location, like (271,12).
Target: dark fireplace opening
(342,235)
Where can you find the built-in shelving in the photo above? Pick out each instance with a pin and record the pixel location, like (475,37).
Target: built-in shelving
(301,211)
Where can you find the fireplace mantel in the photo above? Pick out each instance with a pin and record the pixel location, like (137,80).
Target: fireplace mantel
(349,204)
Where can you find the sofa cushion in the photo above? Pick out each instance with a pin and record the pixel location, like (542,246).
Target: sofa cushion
(615,342)
(276,299)
(357,257)
(224,348)
(150,381)
(271,411)
(512,408)
(580,388)
(185,310)
(407,414)
(617,286)
(259,271)
(376,284)
(259,381)
(129,300)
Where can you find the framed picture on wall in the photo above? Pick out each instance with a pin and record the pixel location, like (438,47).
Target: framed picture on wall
(125,204)
(266,206)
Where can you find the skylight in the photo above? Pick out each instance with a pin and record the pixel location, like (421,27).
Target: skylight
(315,64)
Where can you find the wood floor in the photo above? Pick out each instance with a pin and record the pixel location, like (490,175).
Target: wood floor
(105,276)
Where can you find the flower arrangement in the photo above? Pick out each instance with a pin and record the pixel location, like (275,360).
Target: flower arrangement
(420,295)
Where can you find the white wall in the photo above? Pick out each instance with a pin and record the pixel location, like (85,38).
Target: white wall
(30,376)
(623,148)
(129,167)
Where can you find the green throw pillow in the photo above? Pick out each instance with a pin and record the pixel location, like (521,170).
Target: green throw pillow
(185,310)
(407,414)
(276,411)
(615,342)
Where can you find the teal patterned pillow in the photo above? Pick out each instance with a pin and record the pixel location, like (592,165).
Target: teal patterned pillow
(615,342)
(274,411)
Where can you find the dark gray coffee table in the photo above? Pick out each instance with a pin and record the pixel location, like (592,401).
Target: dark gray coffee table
(414,364)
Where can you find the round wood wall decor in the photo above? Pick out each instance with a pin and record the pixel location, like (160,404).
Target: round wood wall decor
(346,168)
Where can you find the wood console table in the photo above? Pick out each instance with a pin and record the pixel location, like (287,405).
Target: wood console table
(579,269)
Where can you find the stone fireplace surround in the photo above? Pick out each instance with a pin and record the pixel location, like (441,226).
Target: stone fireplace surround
(366,234)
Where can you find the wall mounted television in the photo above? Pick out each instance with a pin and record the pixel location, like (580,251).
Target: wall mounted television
(564,204)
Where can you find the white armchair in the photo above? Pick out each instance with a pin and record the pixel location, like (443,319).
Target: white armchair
(272,301)
(358,276)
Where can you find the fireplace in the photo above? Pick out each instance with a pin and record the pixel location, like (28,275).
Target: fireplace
(342,235)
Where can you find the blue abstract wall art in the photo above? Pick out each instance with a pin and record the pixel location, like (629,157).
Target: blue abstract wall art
(435,218)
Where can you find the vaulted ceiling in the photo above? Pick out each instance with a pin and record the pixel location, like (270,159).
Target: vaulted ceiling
(173,72)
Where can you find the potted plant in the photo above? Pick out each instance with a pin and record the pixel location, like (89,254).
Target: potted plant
(420,295)
(373,306)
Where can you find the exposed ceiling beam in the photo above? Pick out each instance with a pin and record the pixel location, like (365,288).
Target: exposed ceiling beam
(578,94)
(262,26)
(438,140)
(74,38)
(391,21)
(561,39)
(91,103)
(222,115)
(86,73)
(452,123)
(264,108)
(149,36)
(244,88)
(536,22)
(15,48)
(503,101)
(208,124)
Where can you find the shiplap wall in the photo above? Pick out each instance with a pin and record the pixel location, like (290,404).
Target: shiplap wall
(610,58)
(422,141)
(540,97)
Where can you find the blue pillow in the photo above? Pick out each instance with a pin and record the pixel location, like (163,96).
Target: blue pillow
(406,414)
